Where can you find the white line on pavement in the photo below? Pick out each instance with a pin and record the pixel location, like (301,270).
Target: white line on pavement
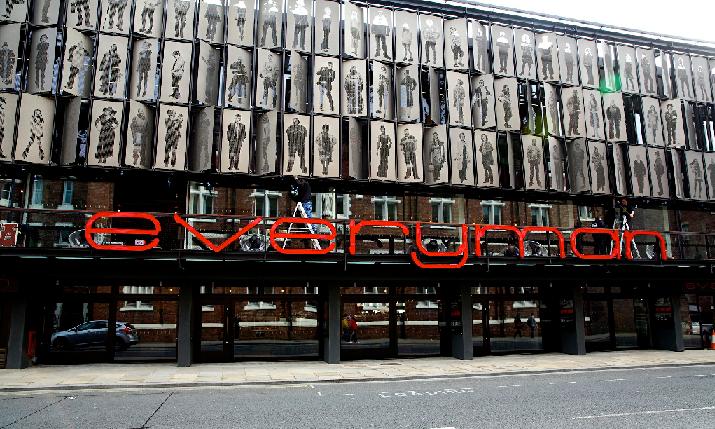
(320,394)
(635,413)
(617,379)
(572,382)
(668,376)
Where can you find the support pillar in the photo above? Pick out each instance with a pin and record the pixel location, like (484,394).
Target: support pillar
(462,347)
(16,356)
(331,351)
(184,349)
(667,329)
(571,323)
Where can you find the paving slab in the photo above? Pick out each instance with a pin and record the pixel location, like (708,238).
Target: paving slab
(138,375)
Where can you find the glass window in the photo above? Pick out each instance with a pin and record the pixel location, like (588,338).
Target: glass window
(201,198)
(259,305)
(385,208)
(539,214)
(138,304)
(585,213)
(37,191)
(5,193)
(492,212)
(442,209)
(427,290)
(266,203)
(342,206)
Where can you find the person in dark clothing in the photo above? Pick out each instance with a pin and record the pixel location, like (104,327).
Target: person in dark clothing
(300,193)
(531,323)
(518,325)
(626,212)
(600,241)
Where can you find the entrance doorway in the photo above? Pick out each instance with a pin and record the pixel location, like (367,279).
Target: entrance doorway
(615,318)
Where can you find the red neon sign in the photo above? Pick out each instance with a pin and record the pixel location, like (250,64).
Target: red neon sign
(417,256)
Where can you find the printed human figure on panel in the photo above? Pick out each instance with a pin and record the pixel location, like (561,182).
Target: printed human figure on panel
(503,47)
(240,80)
(326,143)
(37,133)
(301,16)
(569,61)
(505,99)
(107,123)
(174,124)
(236,136)
(270,23)
(143,68)
(482,102)
(594,115)
(545,48)
(380,28)
(326,78)
(406,40)
(354,85)
(110,71)
(384,144)
(408,146)
(431,34)
(646,70)
(41,58)
(598,160)
(456,47)
(437,155)
(178,67)
(535,159)
(486,150)
(296,135)
(629,73)
(139,131)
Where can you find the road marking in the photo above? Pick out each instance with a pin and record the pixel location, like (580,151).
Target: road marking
(665,376)
(700,375)
(572,382)
(320,394)
(348,394)
(617,379)
(635,413)
(516,385)
(501,387)
(446,427)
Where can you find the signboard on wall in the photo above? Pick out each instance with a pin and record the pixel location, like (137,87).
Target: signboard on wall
(8,234)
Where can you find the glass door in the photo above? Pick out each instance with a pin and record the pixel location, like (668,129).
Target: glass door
(216,332)
(596,321)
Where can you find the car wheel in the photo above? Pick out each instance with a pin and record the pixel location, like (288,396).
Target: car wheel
(61,344)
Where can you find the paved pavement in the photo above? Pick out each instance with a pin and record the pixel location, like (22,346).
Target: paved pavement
(167,375)
(654,397)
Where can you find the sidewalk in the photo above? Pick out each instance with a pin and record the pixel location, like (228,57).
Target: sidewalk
(167,375)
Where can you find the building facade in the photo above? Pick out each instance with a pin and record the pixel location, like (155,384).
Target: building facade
(439,118)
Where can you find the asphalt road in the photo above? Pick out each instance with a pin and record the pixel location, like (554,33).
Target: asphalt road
(645,398)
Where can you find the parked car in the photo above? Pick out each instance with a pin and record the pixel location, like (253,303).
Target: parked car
(94,333)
